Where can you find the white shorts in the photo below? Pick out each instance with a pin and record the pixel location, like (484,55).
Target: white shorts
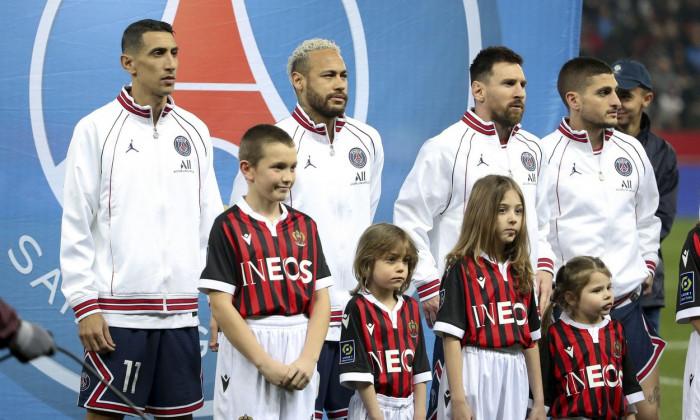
(241,390)
(691,390)
(391,408)
(495,383)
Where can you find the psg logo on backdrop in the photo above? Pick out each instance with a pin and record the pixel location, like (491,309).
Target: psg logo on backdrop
(528,161)
(623,166)
(357,157)
(182,145)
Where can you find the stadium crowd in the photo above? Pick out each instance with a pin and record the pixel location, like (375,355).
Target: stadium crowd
(665,37)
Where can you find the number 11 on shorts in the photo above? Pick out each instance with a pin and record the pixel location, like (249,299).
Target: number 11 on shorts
(129,365)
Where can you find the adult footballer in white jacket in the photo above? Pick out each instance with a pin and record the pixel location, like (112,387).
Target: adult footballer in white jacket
(603,198)
(338,184)
(487,141)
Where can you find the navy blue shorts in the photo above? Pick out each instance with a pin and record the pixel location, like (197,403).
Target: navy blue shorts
(332,396)
(160,371)
(438,366)
(643,343)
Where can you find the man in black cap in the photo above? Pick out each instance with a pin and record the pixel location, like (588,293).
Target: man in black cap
(634,90)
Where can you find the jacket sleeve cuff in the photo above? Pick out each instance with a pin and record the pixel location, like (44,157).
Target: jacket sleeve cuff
(545,264)
(651,265)
(428,290)
(86,308)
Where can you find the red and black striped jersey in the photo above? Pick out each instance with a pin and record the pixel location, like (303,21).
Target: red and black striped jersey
(587,371)
(480,304)
(687,304)
(270,269)
(384,347)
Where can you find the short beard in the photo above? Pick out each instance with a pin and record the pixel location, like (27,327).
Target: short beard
(508,117)
(320,105)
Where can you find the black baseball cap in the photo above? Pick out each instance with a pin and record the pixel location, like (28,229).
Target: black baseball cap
(630,74)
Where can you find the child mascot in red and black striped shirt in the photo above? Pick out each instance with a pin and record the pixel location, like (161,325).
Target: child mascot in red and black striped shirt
(267,281)
(382,348)
(587,371)
(488,316)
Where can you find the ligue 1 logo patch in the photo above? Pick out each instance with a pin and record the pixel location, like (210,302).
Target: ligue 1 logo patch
(347,351)
(686,292)
(357,157)
(182,145)
(442,298)
(623,166)
(413,329)
(299,238)
(528,161)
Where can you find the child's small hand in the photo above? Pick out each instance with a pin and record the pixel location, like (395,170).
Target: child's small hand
(631,416)
(213,335)
(274,371)
(419,415)
(538,412)
(461,411)
(300,373)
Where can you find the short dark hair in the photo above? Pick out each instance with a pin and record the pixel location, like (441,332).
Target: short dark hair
(132,40)
(482,66)
(575,75)
(258,136)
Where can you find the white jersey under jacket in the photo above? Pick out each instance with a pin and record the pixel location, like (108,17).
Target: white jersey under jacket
(602,203)
(138,206)
(434,196)
(338,184)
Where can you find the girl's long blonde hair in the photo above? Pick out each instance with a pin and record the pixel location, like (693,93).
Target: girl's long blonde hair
(375,243)
(478,231)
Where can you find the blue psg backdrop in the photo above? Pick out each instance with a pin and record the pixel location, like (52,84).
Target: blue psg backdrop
(408,63)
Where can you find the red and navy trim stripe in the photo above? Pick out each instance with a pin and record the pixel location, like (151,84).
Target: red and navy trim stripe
(336,317)
(136,305)
(304,121)
(429,288)
(128,103)
(545,264)
(475,123)
(579,136)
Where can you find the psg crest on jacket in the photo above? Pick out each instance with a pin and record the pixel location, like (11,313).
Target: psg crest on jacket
(528,161)
(623,166)
(182,145)
(357,157)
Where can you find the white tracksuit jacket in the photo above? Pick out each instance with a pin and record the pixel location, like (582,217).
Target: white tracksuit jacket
(338,184)
(434,196)
(137,211)
(602,203)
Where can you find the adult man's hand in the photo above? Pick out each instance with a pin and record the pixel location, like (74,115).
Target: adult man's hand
(544,288)
(94,334)
(430,309)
